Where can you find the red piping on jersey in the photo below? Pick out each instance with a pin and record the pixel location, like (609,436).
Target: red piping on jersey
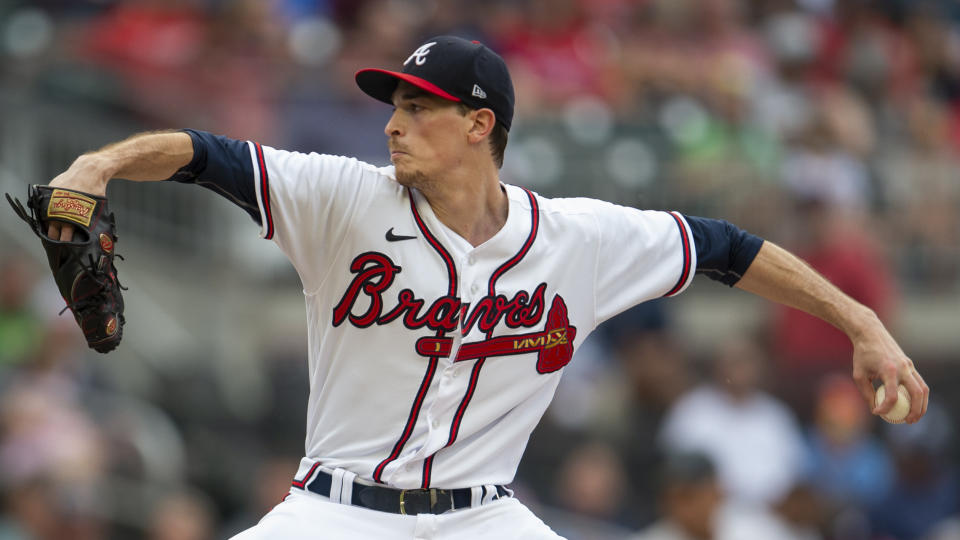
(534,226)
(301,483)
(492,291)
(444,254)
(432,367)
(685,274)
(264,191)
(411,419)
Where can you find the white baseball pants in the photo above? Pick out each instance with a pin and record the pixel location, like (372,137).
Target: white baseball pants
(304,515)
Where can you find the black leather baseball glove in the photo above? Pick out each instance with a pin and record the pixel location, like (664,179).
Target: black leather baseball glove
(83,267)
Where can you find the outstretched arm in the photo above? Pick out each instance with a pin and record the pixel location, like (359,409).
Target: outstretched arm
(777,275)
(144,157)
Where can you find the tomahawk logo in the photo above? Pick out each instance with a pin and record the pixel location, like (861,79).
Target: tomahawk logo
(420,55)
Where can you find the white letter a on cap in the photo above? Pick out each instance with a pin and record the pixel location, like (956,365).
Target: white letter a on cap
(420,54)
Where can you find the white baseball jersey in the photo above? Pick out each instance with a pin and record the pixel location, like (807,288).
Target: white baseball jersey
(430,360)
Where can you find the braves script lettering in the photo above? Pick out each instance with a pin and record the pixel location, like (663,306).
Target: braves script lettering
(375,272)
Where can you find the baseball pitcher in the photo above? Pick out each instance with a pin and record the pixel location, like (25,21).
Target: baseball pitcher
(443,304)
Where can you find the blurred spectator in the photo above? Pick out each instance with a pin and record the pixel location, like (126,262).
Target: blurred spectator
(655,372)
(271,484)
(694,48)
(693,506)
(751,436)
(240,66)
(637,337)
(395,26)
(848,466)
(655,367)
(557,55)
(783,101)
(50,464)
(45,509)
(864,47)
(935,40)
(822,164)
(20,329)
(592,482)
(322,110)
(920,185)
(690,500)
(926,492)
(797,516)
(153,46)
(29,511)
(698,66)
(46,432)
(52,453)
(578,482)
(182,515)
(848,125)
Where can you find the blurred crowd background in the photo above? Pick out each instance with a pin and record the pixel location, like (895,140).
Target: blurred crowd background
(829,126)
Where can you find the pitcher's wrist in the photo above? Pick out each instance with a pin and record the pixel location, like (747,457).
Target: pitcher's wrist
(96,169)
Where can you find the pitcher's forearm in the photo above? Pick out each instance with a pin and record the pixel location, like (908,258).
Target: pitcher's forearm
(144,157)
(777,275)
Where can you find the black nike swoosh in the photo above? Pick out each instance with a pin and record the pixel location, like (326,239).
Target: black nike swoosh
(396,237)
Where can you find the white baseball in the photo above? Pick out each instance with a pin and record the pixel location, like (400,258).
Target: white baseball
(900,409)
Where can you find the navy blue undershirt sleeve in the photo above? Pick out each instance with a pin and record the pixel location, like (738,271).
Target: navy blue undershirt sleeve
(222,165)
(724,251)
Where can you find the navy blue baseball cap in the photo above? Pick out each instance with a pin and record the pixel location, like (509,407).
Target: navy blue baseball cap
(452,68)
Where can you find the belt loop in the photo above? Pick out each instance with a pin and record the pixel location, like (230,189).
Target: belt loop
(490,492)
(308,469)
(336,486)
(346,492)
(476,495)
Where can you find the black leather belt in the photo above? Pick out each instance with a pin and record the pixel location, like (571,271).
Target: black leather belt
(404,501)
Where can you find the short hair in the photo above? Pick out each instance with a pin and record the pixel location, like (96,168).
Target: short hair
(498,136)
(687,468)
